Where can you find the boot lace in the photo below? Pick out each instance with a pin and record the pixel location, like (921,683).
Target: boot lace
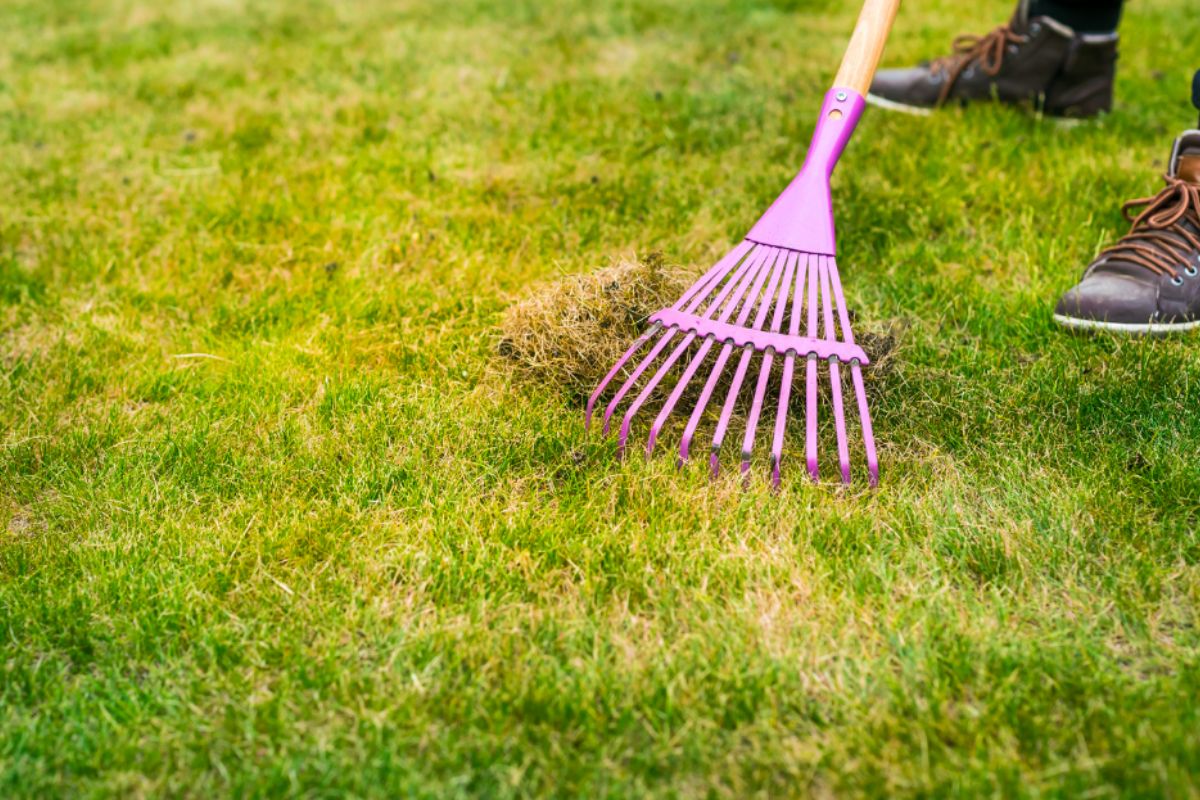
(1159,239)
(987,50)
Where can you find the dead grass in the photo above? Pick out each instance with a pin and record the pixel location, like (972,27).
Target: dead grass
(569,333)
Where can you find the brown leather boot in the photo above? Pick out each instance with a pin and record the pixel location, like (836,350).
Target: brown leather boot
(1149,281)
(1036,62)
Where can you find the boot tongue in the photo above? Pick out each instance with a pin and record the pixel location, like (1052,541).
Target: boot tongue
(1187,159)
(1188,168)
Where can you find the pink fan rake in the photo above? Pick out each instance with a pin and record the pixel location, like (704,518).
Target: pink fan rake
(775,298)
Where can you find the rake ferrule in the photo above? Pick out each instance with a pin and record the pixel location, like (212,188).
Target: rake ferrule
(801,218)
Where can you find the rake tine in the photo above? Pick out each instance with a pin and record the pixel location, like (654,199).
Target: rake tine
(701,404)
(764,307)
(839,419)
(860,392)
(680,349)
(694,299)
(789,367)
(737,280)
(719,367)
(724,265)
(864,416)
(835,378)
(676,393)
(760,390)
(727,409)
(810,380)
(764,373)
(612,373)
(758,274)
(668,335)
(751,267)
(785,396)
(731,258)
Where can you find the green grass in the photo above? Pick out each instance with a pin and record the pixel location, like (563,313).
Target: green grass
(274,520)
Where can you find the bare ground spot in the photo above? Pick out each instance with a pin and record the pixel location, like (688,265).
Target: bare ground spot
(23,525)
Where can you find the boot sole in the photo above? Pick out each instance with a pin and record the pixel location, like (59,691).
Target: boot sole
(922,111)
(892,105)
(1134,328)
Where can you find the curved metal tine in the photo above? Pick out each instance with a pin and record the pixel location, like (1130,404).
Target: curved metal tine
(648,389)
(835,377)
(764,372)
(738,279)
(612,373)
(688,302)
(715,273)
(664,340)
(860,392)
(669,406)
(735,387)
(789,367)
(685,445)
(727,262)
(722,358)
(699,357)
(714,276)
(864,416)
(727,409)
(810,380)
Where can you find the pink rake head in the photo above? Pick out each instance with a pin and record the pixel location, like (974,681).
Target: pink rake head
(751,306)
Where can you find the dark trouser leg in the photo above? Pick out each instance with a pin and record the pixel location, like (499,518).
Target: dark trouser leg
(1196,91)
(1085,16)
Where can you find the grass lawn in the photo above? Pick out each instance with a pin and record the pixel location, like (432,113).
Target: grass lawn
(276,519)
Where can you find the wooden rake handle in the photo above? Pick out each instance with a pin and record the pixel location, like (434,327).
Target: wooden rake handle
(866,45)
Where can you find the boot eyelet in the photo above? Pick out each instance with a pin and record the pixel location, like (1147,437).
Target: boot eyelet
(1177,281)
(1191,271)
